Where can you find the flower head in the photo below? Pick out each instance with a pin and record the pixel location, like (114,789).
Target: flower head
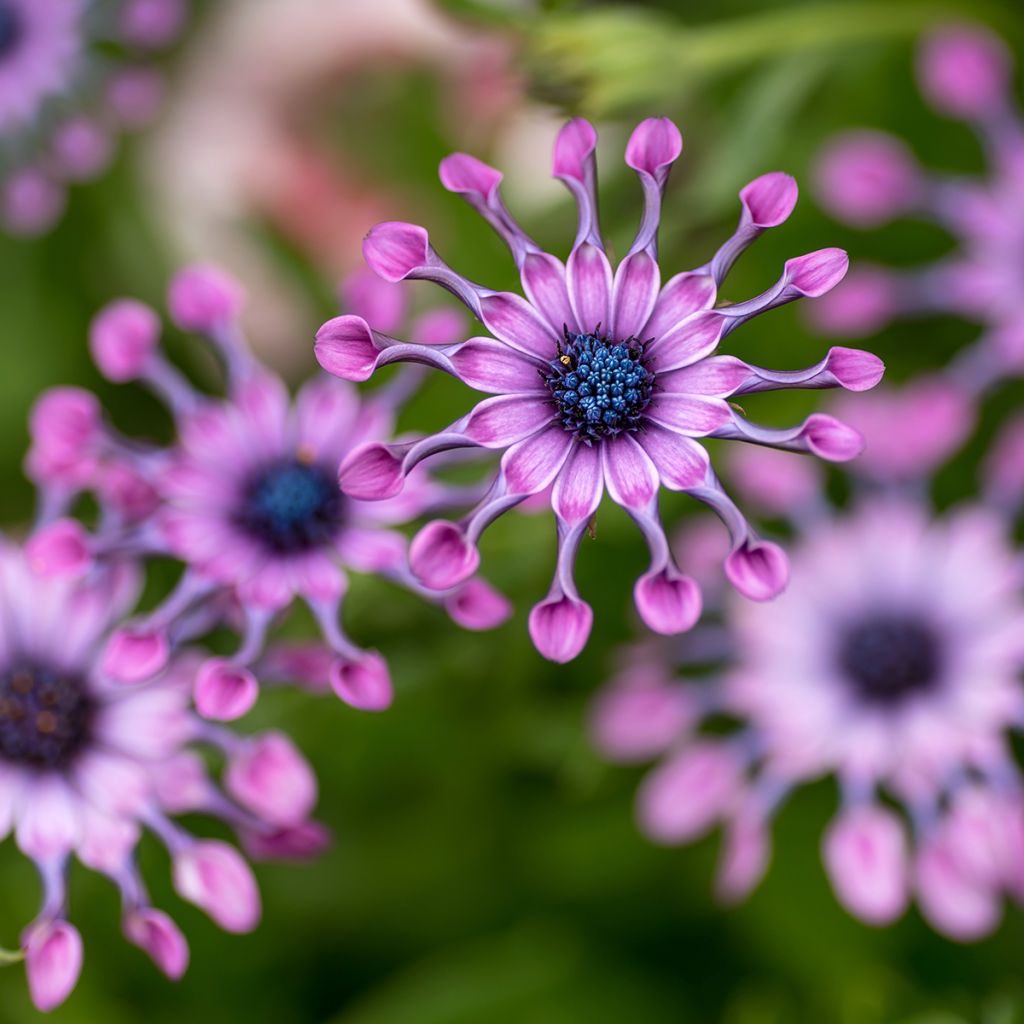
(63,101)
(867,178)
(891,664)
(86,765)
(247,497)
(602,379)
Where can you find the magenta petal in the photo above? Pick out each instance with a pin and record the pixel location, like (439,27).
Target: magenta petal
(955,902)
(122,338)
(863,303)
(345,348)
(855,369)
(438,327)
(574,146)
(629,473)
(441,557)
(758,570)
(769,200)
(817,272)
(371,473)
(134,655)
(746,848)
(589,276)
(682,798)
(635,293)
(716,376)
(66,421)
(153,931)
(831,439)
(477,605)
(531,465)
(667,602)
(560,627)
(654,144)
(364,684)
(544,282)
(865,853)
(578,489)
(501,421)
(682,296)
(773,480)
(490,366)
(636,723)
(378,302)
(204,298)
(681,463)
(691,339)
(512,319)
(223,691)
(296,843)
(460,172)
(867,178)
(60,549)
(395,249)
(1004,463)
(269,776)
(693,415)
(213,875)
(965,71)
(53,963)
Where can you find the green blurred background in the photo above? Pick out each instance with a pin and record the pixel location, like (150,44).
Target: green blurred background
(486,867)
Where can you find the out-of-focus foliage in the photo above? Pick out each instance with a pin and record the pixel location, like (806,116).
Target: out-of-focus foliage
(487,868)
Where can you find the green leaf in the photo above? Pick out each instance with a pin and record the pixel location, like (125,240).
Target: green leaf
(616,59)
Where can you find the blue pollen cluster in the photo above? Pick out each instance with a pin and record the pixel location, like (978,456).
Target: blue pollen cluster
(45,717)
(290,506)
(10,28)
(601,387)
(889,658)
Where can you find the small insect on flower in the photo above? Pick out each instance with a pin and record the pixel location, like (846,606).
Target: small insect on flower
(602,377)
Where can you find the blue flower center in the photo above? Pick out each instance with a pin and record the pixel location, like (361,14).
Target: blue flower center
(46,717)
(11,28)
(600,386)
(291,506)
(889,658)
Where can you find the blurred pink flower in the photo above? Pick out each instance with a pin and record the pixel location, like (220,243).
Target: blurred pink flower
(60,106)
(247,495)
(891,663)
(87,764)
(867,178)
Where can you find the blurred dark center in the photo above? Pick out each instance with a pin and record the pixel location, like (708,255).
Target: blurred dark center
(45,717)
(888,659)
(600,386)
(291,506)
(10,28)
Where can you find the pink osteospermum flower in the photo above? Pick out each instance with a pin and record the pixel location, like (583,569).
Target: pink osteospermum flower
(867,178)
(602,379)
(247,497)
(63,100)
(895,671)
(86,765)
